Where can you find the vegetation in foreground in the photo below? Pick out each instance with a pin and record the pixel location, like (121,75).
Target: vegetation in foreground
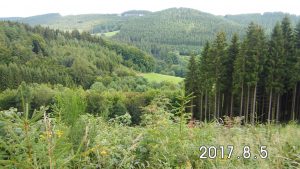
(53,140)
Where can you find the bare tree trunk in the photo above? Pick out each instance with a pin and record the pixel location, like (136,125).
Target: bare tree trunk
(242,98)
(270,106)
(209,108)
(294,102)
(278,108)
(263,108)
(205,111)
(192,108)
(216,104)
(274,109)
(247,107)
(254,103)
(286,111)
(231,105)
(201,101)
(219,100)
(222,104)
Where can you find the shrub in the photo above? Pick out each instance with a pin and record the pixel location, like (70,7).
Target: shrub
(69,105)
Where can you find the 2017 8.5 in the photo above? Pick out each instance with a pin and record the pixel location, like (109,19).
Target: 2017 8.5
(212,152)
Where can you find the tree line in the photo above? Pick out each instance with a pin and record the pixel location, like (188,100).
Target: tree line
(256,77)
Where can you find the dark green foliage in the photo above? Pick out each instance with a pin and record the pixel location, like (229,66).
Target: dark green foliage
(175,30)
(70,105)
(267,20)
(191,85)
(98,104)
(254,79)
(132,56)
(276,61)
(289,51)
(43,55)
(191,77)
(181,29)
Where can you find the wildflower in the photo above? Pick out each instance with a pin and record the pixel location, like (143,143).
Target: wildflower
(103,152)
(48,134)
(42,137)
(59,133)
(188,165)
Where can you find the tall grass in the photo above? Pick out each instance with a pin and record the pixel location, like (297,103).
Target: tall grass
(43,141)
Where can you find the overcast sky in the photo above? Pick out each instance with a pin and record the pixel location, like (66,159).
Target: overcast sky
(219,7)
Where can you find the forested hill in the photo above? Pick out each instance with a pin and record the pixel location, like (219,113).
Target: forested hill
(36,20)
(182,29)
(169,35)
(43,55)
(267,20)
(186,29)
(178,28)
(93,23)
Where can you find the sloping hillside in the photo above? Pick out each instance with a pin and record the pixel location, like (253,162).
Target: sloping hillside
(36,54)
(178,28)
(267,20)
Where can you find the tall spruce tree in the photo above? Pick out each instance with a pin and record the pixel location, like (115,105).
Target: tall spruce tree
(205,77)
(218,52)
(275,67)
(228,63)
(255,56)
(289,54)
(296,95)
(191,83)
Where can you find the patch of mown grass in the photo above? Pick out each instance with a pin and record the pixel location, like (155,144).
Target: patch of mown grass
(155,77)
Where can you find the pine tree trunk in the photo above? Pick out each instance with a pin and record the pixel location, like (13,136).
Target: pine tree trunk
(192,108)
(254,103)
(286,111)
(216,104)
(270,106)
(231,105)
(273,108)
(205,111)
(262,111)
(294,102)
(278,108)
(242,98)
(219,101)
(209,108)
(201,104)
(247,107)
(222,106)
(297,109)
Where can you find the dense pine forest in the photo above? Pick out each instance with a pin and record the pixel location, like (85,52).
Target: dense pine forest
(256,77)
(99,90)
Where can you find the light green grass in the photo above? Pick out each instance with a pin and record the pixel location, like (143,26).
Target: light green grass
(155,77)
(110,34)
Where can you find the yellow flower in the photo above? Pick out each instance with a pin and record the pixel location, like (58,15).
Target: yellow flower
(188,165)
(48,134)
(103,152)
(42,137)
(59,133)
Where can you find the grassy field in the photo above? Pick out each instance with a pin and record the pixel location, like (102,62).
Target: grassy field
(155,77)
(110,34)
